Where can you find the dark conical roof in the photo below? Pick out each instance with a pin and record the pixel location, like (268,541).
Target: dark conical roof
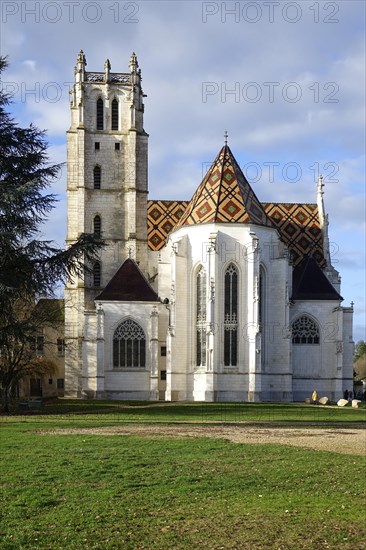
(224,196)
(310,283)
(128,285)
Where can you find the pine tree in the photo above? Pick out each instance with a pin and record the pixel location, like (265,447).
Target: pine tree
(30,267)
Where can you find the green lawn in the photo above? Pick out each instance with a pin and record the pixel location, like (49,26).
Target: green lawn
(152,411)
(129,492)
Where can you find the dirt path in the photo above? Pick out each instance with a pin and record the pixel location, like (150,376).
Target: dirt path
(337,440)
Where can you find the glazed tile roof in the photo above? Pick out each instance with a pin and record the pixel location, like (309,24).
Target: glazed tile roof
(128,285)
(299,228)
(298,225)
(162,217)
(224,196)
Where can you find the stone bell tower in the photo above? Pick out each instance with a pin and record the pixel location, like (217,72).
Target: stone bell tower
(106,189)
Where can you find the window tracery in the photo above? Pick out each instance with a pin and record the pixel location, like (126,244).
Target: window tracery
(231,317)
(261,295)
(129,345)
(305,331)
(201,318)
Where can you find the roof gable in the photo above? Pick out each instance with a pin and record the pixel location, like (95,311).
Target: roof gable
(128,285)
(310,283)
(224,196)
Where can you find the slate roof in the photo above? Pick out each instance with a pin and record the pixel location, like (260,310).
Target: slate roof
(128,285)
(310,283)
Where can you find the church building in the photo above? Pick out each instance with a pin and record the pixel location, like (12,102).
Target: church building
(216,298)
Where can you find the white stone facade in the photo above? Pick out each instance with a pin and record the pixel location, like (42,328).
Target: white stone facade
(268,364)
(100,379)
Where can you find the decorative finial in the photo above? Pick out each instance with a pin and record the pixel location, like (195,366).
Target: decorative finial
(352,304)
(130,252)
(107,65)
(225,137)
(81,58)
(133,63)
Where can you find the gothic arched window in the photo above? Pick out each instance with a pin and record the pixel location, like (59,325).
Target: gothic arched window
(231,317)
(201,318)
(261,293)
(97,226)
(100,114)
(305,331)
(115,114)
(262,312)
(97,274)
(97,177)
(129,345)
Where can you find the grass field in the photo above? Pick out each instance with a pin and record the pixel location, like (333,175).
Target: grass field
(150,411)
(96,491)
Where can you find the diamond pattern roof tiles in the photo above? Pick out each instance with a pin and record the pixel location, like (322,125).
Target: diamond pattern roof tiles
(224,196)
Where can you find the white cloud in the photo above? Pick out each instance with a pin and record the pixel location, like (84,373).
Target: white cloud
(30,64)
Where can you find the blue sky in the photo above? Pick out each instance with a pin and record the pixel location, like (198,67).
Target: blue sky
(286,79)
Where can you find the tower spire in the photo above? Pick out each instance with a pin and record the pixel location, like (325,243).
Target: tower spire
(323,219)
(320,200)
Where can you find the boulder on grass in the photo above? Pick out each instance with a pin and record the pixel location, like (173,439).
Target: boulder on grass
(308,400)
(342,402)
(356,403)
(323,401)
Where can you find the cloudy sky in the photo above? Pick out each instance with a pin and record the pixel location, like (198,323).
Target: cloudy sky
(286,79)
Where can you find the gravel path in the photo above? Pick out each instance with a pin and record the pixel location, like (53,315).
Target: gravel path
(337,440)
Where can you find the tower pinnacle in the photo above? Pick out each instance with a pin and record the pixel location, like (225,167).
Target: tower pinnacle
(81,58)
(80,67)
(133,63)
(107,70)
(323,219)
